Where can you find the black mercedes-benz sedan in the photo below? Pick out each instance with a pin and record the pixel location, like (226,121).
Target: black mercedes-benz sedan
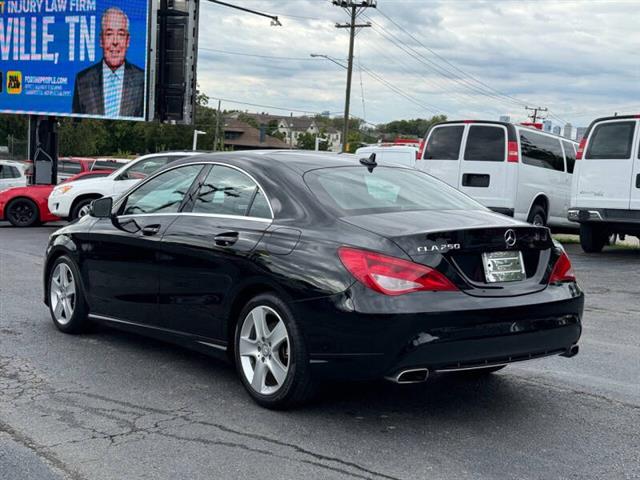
(301,267)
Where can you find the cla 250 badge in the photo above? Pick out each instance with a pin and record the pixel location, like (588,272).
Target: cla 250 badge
(443,247)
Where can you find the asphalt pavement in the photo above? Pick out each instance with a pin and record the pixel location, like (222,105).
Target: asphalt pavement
(111,405)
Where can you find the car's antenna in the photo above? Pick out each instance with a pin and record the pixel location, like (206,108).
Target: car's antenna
(369,162)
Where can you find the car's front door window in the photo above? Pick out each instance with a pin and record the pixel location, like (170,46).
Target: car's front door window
(162,194)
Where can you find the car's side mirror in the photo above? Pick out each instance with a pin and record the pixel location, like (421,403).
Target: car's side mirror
(101,208)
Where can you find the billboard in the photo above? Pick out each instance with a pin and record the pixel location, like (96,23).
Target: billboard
(80,58)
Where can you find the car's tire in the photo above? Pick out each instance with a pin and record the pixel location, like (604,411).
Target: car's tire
(592,238)
(67,303)
(268,343)
(22,212)
(538,216)
(81,208)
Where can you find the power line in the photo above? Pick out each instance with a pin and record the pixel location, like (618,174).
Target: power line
(534,116)
(228,100)
(432,66)
(456,68)
(242,54)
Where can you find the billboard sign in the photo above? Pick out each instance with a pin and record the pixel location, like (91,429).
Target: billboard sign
(80,58)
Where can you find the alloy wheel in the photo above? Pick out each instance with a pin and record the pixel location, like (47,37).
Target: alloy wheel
(62,294)
(84,210)
(22,214)
(264,350)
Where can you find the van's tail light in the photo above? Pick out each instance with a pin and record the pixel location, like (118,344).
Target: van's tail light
(420,153)
(562,271)
(512,152)
(580,152)
(391,275)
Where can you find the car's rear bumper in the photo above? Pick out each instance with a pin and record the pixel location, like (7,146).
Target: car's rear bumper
(618,220)
(350,345)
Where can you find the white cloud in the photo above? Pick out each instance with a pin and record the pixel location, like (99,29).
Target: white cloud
(578,58)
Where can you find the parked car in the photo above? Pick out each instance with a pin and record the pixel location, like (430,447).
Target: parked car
(400,155)
(605,198)
(27,206)
(12,174)
(72,200)
(515,170)
(302,266)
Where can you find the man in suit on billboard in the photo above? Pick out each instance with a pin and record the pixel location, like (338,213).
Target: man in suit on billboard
(113,87)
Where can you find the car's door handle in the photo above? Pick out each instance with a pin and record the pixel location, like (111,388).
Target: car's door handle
(150,230)
(638,181)
(226,239)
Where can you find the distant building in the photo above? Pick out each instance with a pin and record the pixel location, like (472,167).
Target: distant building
(242,136)
(557,130)
(505,118)
(293,127)
(580,131)
(568,131)
(547,125)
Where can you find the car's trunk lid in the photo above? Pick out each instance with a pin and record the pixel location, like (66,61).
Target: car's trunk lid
(454,243)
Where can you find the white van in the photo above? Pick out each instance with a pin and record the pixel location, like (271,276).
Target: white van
(512,169)
(605,196)
(399,155)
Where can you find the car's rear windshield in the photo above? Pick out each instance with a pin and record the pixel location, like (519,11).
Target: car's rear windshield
(356,191)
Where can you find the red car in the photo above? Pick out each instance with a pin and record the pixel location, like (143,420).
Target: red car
(27,206)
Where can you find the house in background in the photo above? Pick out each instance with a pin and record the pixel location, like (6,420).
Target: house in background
(242,136)
(293,127)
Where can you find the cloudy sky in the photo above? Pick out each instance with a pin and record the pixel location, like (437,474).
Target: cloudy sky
(463,58)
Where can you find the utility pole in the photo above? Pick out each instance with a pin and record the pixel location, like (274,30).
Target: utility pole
(534,115)
(217,132)
(354,8)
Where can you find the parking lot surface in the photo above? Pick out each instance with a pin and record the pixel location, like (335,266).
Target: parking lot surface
(112,405)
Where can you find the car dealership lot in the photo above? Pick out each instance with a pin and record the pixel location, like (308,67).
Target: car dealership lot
(114,405)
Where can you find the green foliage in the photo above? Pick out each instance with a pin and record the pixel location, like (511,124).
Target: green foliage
(415,128)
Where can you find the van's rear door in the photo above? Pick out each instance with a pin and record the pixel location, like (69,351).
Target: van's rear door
(604,175)
(635,180)
(441,157)
(484,172)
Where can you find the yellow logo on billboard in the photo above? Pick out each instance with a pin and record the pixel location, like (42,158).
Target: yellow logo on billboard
(14,82)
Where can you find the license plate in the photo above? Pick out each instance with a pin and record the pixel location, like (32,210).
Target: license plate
(503,266)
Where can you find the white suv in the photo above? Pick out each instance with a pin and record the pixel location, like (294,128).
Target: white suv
(605,195)
(71,200)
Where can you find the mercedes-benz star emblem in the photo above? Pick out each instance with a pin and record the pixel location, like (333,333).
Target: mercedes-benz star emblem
(510,238)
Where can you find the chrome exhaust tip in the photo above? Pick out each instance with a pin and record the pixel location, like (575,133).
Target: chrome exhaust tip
(415,375)
(571,352)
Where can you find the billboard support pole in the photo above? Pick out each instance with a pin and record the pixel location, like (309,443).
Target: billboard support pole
(43,149)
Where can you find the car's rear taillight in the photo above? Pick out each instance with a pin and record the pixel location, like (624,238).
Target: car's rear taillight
(562,271)
(580,151)
(391,275)
(512,152)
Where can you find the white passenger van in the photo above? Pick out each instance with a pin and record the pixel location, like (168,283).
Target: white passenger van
(396,154)
(512,169)
(605,196)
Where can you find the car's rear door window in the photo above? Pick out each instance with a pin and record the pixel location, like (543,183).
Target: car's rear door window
(444,143)
(541,151)
(485,144)
(570,155)
(227,191)
(356,191)
(9,171)
(611,141)
(69,168)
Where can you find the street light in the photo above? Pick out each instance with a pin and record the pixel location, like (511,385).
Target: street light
(195,138)
(319,55)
